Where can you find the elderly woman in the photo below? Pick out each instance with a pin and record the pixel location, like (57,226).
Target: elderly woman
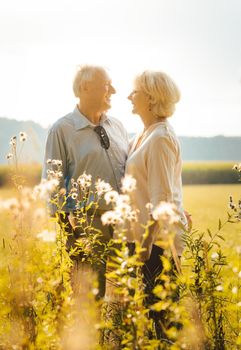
(155,162)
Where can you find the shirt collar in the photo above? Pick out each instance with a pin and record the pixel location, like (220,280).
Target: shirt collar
(81,122)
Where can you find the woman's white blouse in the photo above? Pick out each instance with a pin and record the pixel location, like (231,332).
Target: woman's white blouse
(156,165)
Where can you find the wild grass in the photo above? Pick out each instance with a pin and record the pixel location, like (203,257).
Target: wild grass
(47,301)
(210,203)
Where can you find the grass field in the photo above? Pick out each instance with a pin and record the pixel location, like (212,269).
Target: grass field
(208,204)
(39,271)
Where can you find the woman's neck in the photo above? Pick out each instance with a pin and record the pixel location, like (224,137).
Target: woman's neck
(149,119)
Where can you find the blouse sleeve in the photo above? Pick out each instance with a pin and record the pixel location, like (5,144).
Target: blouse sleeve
(161,161)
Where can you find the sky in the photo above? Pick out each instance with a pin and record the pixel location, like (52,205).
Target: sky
(196,42)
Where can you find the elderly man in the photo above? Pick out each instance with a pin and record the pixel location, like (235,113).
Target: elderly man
(87,140)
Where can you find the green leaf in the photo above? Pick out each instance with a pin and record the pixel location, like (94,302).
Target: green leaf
(219,224)
(209,233)
(221,237)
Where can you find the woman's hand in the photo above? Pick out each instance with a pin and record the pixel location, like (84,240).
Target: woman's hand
(145,254)
(147,245)
(189,219)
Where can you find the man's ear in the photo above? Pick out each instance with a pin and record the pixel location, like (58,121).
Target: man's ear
(85,86)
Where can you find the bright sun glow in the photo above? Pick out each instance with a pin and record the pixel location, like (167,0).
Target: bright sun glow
(195,42)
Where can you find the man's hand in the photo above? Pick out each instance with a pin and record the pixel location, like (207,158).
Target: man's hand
(72,220)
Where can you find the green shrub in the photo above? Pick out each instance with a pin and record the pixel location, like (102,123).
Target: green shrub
(193,173)
(208,173)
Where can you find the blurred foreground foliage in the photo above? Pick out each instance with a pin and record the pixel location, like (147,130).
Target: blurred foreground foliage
(48,299)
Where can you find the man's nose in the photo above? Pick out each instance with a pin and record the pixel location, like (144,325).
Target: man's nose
(112,89)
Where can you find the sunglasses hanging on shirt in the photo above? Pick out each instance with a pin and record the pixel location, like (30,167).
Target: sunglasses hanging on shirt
(104,139)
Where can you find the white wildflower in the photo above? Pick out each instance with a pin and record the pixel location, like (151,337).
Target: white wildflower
(132,216)
(22,136)
(239,274)
(26,191)
(9,156)
(219,288)
(214,256)
(165,212)
(25,204)
(59,174)
(95,291)
(47,236)
(239,304)
(123,208)
(238,249)
(102,187)
(149,207)
(123,198)
(74,195)
(59,163)
(111,197)
(84,181)
(62,191)
(13,141)
(50,173)
(10,204)
(51,185)
(49,161)
(45,188)
(40,280)
(39,213)
(107,217)
(111,217)
(234,290)
(235,269)
(128,183)
(123,265)
(235,167)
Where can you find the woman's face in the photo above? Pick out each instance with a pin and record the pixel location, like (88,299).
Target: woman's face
(140,101)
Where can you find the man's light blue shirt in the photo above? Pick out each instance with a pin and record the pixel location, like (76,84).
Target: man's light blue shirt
(73,140)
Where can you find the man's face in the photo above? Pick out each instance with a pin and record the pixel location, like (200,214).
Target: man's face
(100,90)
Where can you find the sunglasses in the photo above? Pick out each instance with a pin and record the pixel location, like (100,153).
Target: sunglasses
(104,139)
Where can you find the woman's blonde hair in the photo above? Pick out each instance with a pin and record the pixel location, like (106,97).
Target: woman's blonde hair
(163,92)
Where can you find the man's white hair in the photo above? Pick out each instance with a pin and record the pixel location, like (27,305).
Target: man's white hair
(85,73)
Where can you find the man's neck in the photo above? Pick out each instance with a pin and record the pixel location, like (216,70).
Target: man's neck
(93,116)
